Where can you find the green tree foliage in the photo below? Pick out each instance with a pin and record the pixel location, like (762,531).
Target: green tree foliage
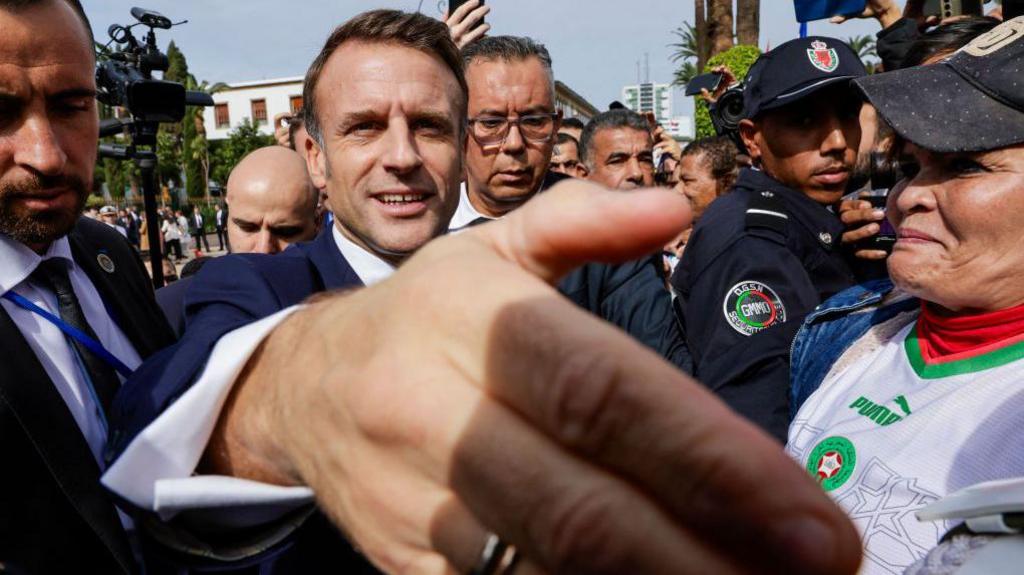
(242,140)
(177,69)
(685,53)
(190,152)
(866,48)
(739,59)
(196,148)
(172,143)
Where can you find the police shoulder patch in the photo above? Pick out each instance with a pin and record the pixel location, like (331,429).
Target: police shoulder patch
(752,306)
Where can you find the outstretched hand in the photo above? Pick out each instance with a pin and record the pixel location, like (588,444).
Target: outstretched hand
(465,396)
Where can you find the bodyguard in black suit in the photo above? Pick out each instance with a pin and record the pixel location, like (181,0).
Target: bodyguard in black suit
(56,517)
(60,270)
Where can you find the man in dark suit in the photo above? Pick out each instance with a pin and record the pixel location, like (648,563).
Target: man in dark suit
(220,220)
(513,126)
(60,271)
(274,206)
(198,230)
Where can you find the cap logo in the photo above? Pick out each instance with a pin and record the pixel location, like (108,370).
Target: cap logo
(998,38)
(822,57)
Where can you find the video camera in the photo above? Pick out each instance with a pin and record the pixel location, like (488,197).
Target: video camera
(124,78)
(727,112)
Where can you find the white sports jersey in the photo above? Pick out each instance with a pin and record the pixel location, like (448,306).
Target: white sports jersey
(888,435)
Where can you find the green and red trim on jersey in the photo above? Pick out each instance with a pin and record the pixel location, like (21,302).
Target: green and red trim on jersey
(943,346)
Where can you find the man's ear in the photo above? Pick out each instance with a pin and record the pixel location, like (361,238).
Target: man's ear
(316,163)
(581,171)
(749,133)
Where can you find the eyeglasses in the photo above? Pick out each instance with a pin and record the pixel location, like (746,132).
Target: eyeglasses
(491,130)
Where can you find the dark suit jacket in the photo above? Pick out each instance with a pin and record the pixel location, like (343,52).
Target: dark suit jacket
(171,299)
(54,515)
(632,296)
(228,293)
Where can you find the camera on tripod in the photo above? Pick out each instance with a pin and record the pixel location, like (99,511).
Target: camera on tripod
(124,78)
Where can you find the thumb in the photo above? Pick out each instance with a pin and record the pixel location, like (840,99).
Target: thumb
(577,222)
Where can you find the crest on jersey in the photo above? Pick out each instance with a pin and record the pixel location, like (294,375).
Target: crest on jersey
(752,306)
(832,462)
(822,57)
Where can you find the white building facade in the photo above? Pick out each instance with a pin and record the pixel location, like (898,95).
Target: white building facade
(649,97)
(258,101)
(262,100)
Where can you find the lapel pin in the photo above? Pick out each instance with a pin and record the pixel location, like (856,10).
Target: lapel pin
(106,263)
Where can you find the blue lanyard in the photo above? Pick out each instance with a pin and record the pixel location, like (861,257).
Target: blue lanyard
(91,344)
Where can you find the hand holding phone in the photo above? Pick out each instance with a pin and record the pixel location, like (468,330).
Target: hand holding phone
(808,10)
(465,20)
(709,82)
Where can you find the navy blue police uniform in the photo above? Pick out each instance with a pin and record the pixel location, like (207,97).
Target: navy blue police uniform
(763,255)
(760,258)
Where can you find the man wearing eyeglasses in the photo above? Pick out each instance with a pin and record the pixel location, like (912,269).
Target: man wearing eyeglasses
(513,126)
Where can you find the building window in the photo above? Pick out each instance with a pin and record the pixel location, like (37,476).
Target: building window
(295,103)
(220,113)
(259,111)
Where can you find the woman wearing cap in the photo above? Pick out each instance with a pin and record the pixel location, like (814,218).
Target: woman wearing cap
(907,391)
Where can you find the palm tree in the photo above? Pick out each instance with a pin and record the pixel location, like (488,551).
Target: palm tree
(865,47)
(748,22)
(720,27)
(685,53)
(196,146)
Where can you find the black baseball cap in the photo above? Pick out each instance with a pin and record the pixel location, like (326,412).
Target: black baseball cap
(972,101)
(796,69)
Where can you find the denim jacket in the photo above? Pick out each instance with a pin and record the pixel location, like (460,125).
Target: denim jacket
(834,326)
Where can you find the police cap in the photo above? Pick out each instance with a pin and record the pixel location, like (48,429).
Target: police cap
(797,69)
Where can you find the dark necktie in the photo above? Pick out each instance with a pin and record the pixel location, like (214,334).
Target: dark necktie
(53,274)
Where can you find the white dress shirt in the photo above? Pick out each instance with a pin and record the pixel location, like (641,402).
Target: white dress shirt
(49,344)
(370,268)
(156,471)
(465,214)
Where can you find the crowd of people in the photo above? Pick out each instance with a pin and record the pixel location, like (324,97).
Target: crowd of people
(459,333)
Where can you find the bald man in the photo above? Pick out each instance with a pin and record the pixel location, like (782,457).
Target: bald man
(271,202)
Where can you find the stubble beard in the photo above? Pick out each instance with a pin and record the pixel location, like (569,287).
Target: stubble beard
(39,227)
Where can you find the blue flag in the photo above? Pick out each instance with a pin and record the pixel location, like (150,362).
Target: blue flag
(807,10)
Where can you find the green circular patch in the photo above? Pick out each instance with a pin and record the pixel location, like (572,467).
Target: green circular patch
(832,462)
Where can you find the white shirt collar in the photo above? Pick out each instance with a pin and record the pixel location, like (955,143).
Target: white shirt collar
(370,268)
(465,214)
(18,261)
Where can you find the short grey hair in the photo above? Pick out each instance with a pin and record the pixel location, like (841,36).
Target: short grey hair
(508,49)
(610,120)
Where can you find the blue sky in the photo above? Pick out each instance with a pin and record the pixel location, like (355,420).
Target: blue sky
(595,44)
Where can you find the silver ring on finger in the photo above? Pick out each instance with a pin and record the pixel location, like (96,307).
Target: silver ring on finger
(497,558)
